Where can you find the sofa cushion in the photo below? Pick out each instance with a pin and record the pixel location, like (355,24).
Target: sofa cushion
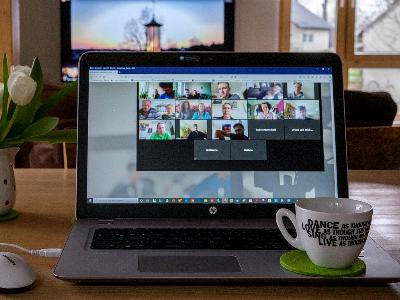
(365,109)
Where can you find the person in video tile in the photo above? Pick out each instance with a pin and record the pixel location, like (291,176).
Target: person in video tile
(277,91)
(148,112)
(238,135)
(156,94)
(195,134)
(303,113)
(226,112)
(161,133)
(170,113)
(185,112)
(218,184)
(224,91)
(264,112)
(297,91)
(201,114)
(194,94)
(187,93)
(168,90)
(134,186)
(271,92)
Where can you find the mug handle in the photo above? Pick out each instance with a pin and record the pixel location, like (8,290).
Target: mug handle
(295,242)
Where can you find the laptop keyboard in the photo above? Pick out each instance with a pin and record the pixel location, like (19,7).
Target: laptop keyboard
(189,238)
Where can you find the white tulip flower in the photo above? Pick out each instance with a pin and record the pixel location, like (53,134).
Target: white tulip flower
(24,69)
(21,87)
(1,90)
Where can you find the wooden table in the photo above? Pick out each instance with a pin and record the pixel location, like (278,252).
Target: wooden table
(45,199)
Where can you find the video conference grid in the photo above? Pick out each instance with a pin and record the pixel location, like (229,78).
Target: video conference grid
(233,110)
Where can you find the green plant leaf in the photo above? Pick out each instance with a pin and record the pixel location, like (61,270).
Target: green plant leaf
(13,143)
(53,137)
(8,125)
(5,94)
(11,109)
(49,104)
(58,136)
(41,127)
(26,113)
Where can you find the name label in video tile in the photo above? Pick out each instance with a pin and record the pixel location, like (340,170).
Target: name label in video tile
(248,150)
(212,150)
(302,130)
(266,129)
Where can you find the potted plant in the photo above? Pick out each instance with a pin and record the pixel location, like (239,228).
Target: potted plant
(24,118)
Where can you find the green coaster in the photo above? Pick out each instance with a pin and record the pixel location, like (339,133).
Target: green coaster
(297,261)
(9,216)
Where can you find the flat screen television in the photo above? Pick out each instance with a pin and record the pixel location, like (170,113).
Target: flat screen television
(143,25)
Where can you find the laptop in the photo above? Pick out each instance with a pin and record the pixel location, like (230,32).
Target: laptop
(184,159)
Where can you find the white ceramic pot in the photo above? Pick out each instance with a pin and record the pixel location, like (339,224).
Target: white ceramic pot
(7,179)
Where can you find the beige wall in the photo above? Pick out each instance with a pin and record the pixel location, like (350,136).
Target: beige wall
(256,25)
(38,25)
(38,28)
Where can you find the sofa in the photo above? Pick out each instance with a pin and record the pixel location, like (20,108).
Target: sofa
(372,141)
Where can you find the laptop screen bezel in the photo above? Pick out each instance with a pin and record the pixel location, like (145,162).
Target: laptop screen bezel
(199,59)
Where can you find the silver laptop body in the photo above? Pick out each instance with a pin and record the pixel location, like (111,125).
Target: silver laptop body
(160,148)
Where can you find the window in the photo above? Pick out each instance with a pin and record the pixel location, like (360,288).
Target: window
(365,33)
(377,27)
(313,19)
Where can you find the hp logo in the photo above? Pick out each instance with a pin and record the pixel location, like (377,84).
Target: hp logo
(213,210)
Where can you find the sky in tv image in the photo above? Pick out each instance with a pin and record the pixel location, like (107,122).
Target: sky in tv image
(121,24)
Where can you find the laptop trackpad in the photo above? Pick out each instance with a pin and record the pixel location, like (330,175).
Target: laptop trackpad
(188,264)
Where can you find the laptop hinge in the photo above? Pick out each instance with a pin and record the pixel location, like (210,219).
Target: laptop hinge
(105,221)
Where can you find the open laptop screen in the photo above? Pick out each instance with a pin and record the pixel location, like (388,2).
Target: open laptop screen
(229,135)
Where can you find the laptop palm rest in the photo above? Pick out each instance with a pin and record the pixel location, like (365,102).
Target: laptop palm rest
(188,264)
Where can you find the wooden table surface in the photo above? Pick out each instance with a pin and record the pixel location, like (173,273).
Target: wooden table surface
(45,200)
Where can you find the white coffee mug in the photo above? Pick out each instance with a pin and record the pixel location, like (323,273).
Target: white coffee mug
(332,231)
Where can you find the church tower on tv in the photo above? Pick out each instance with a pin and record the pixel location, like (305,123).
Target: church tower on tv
(153,34)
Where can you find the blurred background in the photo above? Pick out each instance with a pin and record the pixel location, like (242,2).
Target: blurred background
(364,33)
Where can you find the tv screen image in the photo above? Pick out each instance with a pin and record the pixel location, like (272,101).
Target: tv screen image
(142,25)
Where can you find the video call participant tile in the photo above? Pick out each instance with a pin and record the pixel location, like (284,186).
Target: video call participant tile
(212,150)
(161,130)
(266,90)
(230,129)
(302,130)
(228,90)
(157,109)
(301,110)
(248,150)
(157,90)
(265,109)
(266,129)
(192,129)
(229,109)
(194,90)
(301,90)
(193,109)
